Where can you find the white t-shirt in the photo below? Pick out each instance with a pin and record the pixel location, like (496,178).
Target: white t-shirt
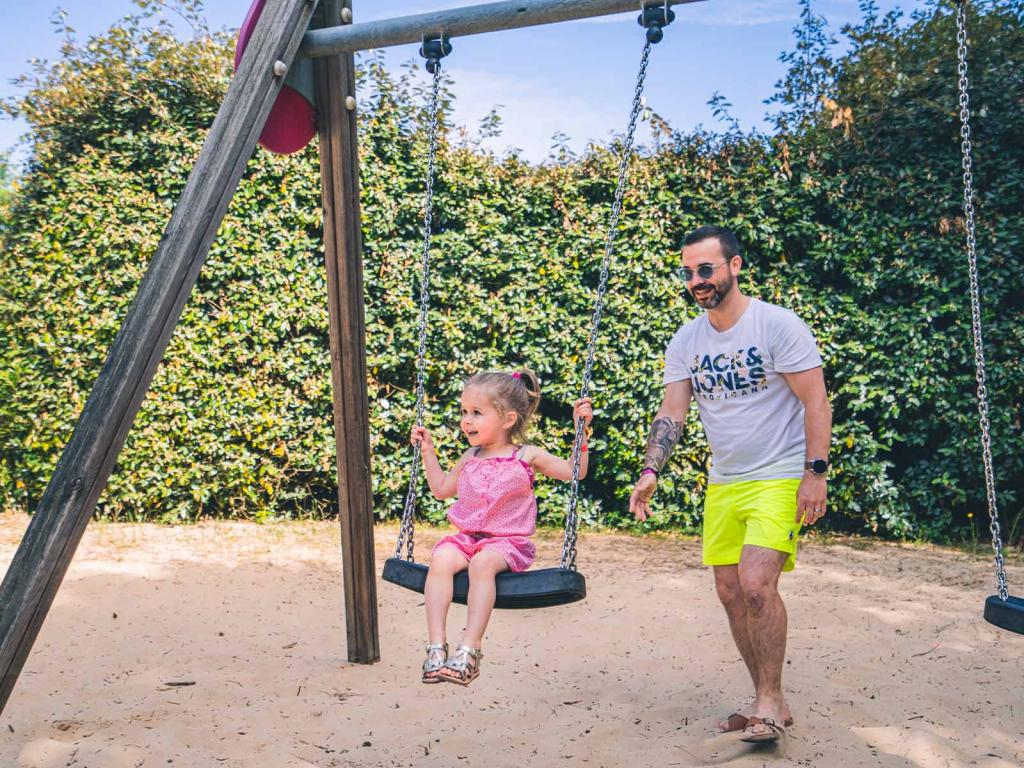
(754,422)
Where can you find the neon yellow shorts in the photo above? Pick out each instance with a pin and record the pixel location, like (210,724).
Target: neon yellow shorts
(757,512)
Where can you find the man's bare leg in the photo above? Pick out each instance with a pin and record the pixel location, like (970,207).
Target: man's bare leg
(758,573)
(727,584)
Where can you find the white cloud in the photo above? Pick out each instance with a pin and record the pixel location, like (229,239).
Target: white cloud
(736,13)
(530,111)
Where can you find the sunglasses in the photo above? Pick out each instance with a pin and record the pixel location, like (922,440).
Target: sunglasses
(704,271)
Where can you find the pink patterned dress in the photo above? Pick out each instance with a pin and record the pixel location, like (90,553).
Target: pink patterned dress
(496,510)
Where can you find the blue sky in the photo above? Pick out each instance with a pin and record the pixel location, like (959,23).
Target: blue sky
(575,78)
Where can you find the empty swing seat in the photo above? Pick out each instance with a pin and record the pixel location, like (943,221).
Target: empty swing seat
(1006,614)
(541,588)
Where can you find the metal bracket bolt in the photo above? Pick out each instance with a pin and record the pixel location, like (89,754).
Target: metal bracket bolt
(434,48)
(655,14)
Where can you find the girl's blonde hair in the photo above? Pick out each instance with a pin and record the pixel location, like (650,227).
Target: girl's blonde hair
(515,392)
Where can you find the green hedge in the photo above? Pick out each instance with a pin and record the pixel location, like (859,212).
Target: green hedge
(849,218)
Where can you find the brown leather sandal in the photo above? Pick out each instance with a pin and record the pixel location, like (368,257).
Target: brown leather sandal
(738,722)
(773,734)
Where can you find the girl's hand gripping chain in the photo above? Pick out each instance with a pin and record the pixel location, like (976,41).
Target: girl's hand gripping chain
(421,437)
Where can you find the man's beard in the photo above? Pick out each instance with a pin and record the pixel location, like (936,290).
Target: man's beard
(714,298)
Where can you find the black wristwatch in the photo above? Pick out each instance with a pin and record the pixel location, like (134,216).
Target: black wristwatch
(817,466)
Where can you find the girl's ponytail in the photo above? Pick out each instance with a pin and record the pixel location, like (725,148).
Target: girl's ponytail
(532,384)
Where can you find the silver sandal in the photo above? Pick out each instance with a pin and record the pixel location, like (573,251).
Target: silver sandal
(437,654)
(463,667)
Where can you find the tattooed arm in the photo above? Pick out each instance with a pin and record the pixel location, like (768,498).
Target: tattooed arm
(666,430)
(665,433)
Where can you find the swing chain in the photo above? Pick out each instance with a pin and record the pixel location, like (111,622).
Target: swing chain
(405,535)
(972,261)
(572,516)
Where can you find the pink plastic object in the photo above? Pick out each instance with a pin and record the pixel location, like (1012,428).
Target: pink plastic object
(292,121)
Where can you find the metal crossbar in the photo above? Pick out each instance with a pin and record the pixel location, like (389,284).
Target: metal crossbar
(459,22)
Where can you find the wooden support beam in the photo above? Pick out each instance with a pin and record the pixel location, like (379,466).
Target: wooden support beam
(339,174)
(67,505)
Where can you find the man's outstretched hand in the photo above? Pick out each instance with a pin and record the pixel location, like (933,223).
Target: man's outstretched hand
(640,499)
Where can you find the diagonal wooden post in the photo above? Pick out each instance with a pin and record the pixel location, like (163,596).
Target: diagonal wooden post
(339,173)
(64,511)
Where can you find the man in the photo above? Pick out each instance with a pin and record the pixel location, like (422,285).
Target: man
(755,371)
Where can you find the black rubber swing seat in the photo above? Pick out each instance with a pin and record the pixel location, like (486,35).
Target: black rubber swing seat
(1006,614)
(542,588)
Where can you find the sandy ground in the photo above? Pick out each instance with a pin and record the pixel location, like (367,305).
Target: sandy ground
(889,661)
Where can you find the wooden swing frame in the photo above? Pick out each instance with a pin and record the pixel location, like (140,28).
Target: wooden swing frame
(325,33)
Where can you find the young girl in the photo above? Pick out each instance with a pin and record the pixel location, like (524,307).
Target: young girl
(496,511)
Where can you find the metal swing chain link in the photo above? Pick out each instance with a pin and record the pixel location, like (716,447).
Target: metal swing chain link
(972,261)
(405,535)
(572,517)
